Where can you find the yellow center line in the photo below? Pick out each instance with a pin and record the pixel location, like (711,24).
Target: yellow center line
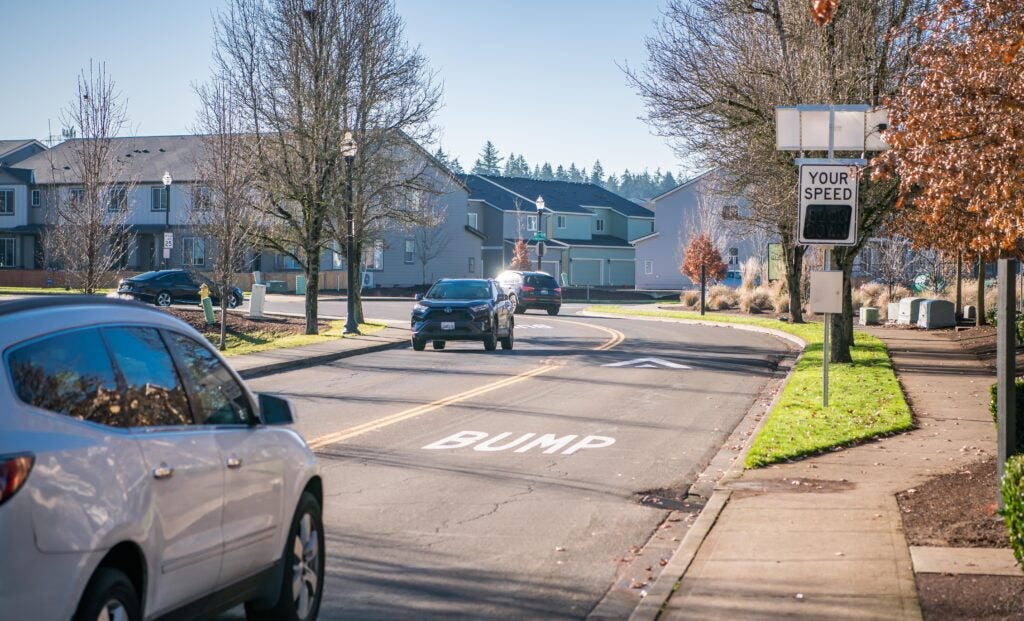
(345,434)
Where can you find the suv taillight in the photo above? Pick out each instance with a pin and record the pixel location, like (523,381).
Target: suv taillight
(527,288)
(14,471)
(558,290)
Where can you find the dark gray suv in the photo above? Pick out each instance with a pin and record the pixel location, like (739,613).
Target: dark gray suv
(528,290)
(463,309)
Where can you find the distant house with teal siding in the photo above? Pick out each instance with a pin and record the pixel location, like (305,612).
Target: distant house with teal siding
(588,228)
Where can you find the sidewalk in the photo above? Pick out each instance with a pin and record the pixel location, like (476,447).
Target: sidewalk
(822,537)
(289,358)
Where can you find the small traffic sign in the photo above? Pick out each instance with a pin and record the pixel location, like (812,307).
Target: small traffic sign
(828,205)
(539,236)
(168,240)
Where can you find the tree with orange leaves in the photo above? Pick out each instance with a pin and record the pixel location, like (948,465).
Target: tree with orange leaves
(521,256)
(701,253)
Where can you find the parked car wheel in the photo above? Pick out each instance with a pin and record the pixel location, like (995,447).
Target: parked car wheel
(508,341)
(514,301)
(519,308)
(554,310)
(490,342)
(303,582)
(439,344)
(109,595)
(164,298)
(419,344)
(233,301)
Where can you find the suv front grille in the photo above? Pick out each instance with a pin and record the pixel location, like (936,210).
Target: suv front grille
(457,314)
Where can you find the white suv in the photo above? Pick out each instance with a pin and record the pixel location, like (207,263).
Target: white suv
(140,478)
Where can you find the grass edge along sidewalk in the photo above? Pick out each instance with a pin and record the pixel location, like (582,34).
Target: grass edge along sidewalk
(256,342)
(865,398)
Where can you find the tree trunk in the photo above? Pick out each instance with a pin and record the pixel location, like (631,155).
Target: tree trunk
(794,269)
(312,290)
(842,325)
(225,291)
(959,312)
(979,318)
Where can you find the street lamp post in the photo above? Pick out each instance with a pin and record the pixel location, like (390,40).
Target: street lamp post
(348,151)
(167,216)
(540,231)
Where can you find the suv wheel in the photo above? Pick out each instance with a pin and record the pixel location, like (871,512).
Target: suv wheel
(490,342)
(418,344)
(508,341)
(519,309)
(515,302)
(439,344)
(554,310)
(303,559)
(164,298)
(109,596)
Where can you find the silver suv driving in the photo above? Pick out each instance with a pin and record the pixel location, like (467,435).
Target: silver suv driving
(140,478)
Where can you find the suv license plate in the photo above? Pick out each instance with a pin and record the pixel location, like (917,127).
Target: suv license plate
(543,291)
(447,325)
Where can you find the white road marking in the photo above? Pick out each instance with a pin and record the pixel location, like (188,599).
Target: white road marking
(648,363)
(533,326)
(549,442)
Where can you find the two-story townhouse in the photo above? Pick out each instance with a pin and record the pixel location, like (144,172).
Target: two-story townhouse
(588,228)
(678,216)
(16,233)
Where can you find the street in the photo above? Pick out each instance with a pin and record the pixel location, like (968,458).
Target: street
(504,485)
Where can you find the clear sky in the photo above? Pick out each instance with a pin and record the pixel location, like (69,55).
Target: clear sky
(536,77)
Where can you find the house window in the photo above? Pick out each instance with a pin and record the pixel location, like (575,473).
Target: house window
(36,198)
(560,222)
(160,198)
(373,255)
(7,202)
(471,220)
(76,196)
(648,267)
(734,256)
(600,224)
(730,212)
(6,252)
(194,251)
(201,197)
(652,226)
(289,262)
(118,198)
(410,251)
(531,223)
(472,265)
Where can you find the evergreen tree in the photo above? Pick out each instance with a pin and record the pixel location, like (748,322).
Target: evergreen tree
(573,174)
(489,162)
(510,166)
(546,173)
(597,174)
(442,157)
(667,183)
(612,183)
(536,171)
(523,167)
(456,167)
(560,173)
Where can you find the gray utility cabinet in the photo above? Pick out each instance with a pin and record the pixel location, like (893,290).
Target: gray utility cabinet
(909,308)
(936,314)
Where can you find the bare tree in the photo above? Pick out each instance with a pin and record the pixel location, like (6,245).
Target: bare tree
(430,235)
(894,264)
(222,209)
(88,199)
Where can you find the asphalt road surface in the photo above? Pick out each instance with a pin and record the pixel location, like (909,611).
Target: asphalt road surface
(464,484)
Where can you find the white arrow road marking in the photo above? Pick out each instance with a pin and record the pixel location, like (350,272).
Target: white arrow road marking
(647,363)
(533,326)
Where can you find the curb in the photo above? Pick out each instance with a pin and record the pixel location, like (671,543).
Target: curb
(650,607)
(310,361)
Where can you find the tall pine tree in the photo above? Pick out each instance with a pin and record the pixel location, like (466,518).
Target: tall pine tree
(597,174)
(489,162)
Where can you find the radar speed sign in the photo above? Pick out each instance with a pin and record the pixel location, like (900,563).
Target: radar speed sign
(828,205)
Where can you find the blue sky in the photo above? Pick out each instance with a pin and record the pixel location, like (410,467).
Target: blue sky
(535,77)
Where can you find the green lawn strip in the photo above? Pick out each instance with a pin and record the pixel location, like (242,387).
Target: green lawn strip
(254,342)
(865,398)
(47,291)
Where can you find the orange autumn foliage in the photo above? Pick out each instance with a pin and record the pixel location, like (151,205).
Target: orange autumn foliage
(521,256)
(956,129)
(822,11)
(699,252)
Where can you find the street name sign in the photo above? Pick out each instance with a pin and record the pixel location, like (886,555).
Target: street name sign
(828,205)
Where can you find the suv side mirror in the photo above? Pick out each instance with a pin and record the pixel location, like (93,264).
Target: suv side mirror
(419,296)
(502,296)
(276,410)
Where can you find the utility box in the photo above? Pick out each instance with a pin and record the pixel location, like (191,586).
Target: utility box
(892,311)
(868,316)
(277,286)
(936,314)
(909,308)
(826,292)
(970,312)
(300,285)
(259,295)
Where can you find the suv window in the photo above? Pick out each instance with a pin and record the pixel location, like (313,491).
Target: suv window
(69,374)
(541,280)
(220,400)
(153,393)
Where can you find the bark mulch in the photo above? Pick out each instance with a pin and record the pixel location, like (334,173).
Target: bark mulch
(240,324)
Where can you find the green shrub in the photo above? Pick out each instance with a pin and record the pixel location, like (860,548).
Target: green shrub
(993,408)
(992,318)
(1012,489)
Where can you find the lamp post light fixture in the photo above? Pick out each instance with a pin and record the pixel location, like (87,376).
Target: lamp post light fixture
(167,180)
(540,231)
(348,151)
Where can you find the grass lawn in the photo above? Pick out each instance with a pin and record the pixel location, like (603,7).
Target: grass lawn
(865,398)
(47,291)
(253,342)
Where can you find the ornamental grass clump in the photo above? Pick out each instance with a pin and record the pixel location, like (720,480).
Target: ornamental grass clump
(1012,489)
(690,298)
(721,297)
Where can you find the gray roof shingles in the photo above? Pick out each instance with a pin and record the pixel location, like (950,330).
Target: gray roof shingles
(559,196)
(145,158)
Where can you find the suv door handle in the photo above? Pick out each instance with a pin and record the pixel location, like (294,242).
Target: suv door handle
(234,462)
(163,471)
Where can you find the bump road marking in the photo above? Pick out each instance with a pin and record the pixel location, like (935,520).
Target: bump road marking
(616,337)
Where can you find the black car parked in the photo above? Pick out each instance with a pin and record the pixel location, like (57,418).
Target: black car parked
(528,290)
(463,310)
(166,287)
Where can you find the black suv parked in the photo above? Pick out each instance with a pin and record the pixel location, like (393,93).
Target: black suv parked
(165,287)
(532,290)
(463,310)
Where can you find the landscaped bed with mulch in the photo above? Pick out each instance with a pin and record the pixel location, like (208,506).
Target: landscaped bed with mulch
(245,335)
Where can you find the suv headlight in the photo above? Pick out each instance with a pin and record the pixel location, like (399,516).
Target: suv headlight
(420,309)
(479,309)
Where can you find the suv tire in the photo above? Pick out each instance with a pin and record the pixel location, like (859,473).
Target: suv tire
(110,591)
(508,341)
(490,342)
(418,344)
(519,309)
(439,344)
(554,310)
(305,539)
